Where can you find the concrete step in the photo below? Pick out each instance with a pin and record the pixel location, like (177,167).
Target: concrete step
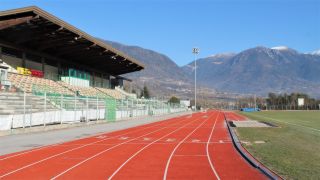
(20,111)
(20,98)
(20,103)
(27,107)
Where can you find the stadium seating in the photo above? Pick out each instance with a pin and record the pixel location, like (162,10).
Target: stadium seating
(112,92)
(30,83)
(84,91)
(27,83)
(128,95)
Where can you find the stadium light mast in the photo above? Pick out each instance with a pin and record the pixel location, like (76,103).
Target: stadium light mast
(195,51)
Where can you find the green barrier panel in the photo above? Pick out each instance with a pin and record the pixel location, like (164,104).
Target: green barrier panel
(110,112)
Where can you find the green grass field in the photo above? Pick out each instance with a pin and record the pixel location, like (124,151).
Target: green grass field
(292,149)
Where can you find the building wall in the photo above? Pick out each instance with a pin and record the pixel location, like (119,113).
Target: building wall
(33,65)
(50,72)
(13,62)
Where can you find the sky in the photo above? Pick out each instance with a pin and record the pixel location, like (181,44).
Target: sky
(174,27)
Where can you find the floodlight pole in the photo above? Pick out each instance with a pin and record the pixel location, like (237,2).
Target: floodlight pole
(255,101)
(195,51)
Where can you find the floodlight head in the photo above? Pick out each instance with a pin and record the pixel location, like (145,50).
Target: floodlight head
(195,50)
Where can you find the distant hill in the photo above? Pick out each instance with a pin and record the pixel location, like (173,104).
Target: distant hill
(162,75)
(260,70)
(257,70)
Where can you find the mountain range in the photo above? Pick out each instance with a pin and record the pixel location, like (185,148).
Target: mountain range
(258,70)
(161,75)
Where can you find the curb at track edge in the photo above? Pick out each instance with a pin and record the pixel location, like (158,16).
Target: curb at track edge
(247,156)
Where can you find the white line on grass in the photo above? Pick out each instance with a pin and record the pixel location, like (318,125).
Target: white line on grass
(287,123)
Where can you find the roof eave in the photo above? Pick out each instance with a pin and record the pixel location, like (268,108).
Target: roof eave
(71,28)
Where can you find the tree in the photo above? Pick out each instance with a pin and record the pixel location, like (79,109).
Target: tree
(174,100)
(145,92)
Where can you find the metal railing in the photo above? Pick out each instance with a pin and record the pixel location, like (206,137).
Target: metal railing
(41,108)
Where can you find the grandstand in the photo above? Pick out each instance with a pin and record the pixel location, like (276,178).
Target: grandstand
(39,49)
(54,72)
(27,83)
(112,92)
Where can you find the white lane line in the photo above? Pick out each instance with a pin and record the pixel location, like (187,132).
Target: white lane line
(124,138)
(287,122)
(195,141)
(101,137)
(170,140)
(158,123)
(125,142)
(191,155)
(135,154)
(177,146)
(50,157)
(207,148)
(29,151)
(146,139)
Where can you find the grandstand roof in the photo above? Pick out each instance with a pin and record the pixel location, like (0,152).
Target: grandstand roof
(33,30)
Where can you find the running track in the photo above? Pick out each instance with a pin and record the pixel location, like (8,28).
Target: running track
(186,147)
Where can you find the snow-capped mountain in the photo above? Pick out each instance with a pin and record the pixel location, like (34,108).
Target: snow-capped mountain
(280,48)
(261,70)
(257,70)
(316,52)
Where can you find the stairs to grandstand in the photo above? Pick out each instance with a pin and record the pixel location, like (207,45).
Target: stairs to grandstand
(13,103)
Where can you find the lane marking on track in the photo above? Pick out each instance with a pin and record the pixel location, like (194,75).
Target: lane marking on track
(101,137)
(78,164)
(135,154)
(190,155)
(195,140)
(124,138)
(85,145)
(207,148)
(174,150)
(158,123)
(29,151)
(146,139)
(170,140)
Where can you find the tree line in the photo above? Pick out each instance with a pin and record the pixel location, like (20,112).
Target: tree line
(290,101)
(279,102)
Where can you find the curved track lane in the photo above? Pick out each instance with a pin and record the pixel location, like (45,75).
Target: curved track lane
(186,147)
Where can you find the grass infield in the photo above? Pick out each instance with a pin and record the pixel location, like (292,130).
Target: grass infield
(292,149)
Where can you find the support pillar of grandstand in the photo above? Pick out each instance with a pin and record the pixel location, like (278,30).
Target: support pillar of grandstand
(43,61)
(59,67)
(23,59)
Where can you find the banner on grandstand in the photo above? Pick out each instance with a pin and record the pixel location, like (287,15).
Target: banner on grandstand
(30,72)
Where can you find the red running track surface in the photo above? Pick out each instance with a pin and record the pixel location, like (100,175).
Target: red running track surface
(186,147)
